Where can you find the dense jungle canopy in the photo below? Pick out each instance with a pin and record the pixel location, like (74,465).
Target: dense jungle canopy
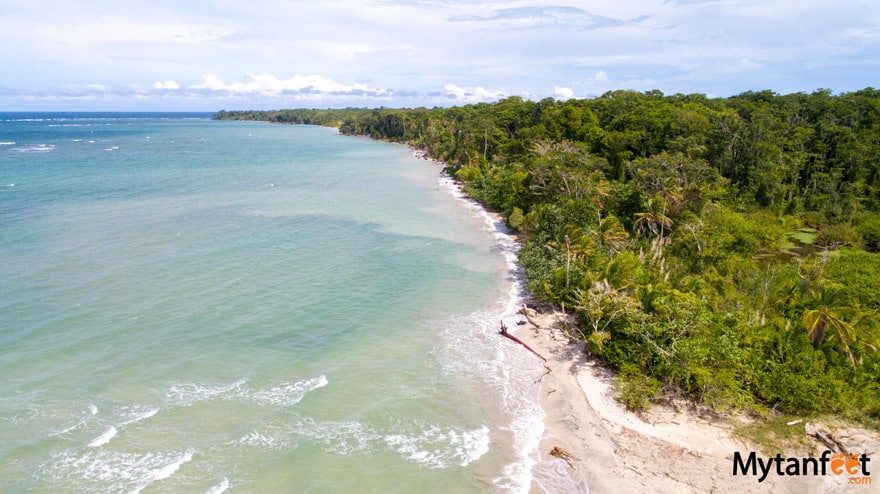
(722,249)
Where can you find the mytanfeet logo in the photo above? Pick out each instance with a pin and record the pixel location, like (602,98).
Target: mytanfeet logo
(853,466)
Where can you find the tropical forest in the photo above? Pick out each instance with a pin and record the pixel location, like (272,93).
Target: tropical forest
(722,250)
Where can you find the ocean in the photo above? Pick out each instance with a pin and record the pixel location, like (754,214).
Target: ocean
(191,305)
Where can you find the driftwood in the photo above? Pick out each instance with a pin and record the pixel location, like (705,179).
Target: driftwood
(563,454)
(527,313)
(821,434)
(514,338)
(832,443)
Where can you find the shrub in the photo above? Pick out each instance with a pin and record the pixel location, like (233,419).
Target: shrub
(838,235)
(869,229)
(637,391)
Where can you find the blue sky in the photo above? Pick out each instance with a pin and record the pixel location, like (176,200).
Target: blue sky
(205,55)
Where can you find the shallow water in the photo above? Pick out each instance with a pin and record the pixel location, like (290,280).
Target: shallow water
(200,306)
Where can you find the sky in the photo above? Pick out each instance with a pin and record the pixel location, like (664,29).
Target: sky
(207,55)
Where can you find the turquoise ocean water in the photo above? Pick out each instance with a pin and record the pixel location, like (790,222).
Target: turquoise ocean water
(198,306)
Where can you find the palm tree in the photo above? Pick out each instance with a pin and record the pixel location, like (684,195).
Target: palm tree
(612,234)
(654,219)
(827,316)
(578,246)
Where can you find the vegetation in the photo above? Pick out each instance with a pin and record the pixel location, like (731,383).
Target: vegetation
(726,250)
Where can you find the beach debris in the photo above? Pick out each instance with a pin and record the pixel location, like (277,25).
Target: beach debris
(504,332)
(832,443)
(825,437)
(547,370)
(564,455)
(529,314)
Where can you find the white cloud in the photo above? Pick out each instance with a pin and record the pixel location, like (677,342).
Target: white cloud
(415,46)
(171,85)
(563,92)
(266,84)
(472,94)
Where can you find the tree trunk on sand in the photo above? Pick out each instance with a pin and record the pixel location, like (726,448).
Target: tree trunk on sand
(514,338)
(525,311)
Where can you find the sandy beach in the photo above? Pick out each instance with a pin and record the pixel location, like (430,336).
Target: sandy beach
(664,450)
(608,449)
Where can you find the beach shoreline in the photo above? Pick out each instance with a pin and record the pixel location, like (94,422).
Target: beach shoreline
(609,449)
(602,447)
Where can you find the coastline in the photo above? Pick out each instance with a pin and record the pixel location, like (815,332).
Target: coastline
(597,463)
(602,447)
(663,451)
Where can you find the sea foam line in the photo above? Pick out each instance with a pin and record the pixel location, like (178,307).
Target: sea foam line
(527,424)
(186,394)
(39,148)
(92,410)
(289,394)
(164,472)
(101,470)
(104,438)
(133,414)
(285,394)
(219,488)
(437,448)
(428,445)
(139,414)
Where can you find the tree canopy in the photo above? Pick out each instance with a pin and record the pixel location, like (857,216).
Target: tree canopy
(723,249)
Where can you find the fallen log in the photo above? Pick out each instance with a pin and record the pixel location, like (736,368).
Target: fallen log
(514,338)
(526,312)
(565,455)
(829,441)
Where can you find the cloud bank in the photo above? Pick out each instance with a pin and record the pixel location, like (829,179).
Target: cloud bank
(212,93)
(270,53)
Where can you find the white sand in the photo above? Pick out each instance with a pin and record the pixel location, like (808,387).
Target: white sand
(663,451)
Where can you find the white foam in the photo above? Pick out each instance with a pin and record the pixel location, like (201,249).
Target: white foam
(507,374)
(438,448)
(39,148)
(104,470)
(132,415)
(263,440)
(219,488)
(71,428)
(92,411)
(7,143)
(165,471)
(429,445)
(282,395)
(104,438)
(289,394)
(343,438)
(320,382)
(171,468)
(186,394)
